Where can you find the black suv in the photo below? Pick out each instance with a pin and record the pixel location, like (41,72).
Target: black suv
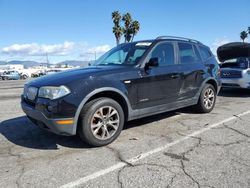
(131,81)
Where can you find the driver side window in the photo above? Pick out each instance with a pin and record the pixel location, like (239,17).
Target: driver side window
(165,54)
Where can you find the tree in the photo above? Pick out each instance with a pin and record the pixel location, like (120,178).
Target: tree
(135,27)
(127,27)
(117,29)
(116,17)
(130,29)
(243,35)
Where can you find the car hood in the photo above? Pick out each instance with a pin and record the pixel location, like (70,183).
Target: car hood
(233,50)
(62,78)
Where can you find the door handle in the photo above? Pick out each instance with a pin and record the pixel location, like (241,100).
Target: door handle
(173,76)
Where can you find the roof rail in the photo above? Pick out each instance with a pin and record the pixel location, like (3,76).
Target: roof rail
(178,38)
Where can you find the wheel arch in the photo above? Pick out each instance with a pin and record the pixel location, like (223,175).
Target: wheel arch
(108,92)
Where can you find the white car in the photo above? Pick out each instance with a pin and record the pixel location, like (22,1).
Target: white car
(235,66)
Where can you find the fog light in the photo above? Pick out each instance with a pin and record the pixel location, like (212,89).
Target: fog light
(65,122)
(50,108)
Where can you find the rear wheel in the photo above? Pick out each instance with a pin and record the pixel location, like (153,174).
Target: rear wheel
(101,122)
(207,99)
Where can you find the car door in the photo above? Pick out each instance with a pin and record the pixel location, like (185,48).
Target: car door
(192,69)
(160,84)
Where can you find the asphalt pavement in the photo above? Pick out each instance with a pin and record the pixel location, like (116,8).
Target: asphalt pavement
(174,149)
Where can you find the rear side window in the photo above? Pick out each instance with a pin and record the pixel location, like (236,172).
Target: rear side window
(186,53)
(205,53)
(198,56)
(165,54)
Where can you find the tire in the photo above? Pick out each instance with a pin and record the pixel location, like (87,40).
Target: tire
(24,77)
(205,103)
(96,127)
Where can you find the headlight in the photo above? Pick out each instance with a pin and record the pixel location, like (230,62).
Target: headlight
(51,92)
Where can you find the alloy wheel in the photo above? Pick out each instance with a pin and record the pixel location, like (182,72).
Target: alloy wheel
(208,99)
(105,122)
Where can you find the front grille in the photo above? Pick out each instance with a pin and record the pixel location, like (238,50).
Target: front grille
(231,74)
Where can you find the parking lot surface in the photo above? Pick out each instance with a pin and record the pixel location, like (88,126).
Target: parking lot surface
(174,149)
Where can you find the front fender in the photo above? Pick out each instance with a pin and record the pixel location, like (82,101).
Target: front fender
(91,94)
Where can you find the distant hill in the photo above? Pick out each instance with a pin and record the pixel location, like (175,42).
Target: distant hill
(28,64)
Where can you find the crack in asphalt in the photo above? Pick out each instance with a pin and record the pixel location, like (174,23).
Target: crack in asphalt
(181,157)
(171,181)
(176,156)
(129,165)
(184,157)
(188,175)
(236,130)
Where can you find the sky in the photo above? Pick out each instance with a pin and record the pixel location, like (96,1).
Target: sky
(77,29)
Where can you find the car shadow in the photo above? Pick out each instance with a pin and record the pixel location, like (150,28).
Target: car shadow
(22,132)
(238,93)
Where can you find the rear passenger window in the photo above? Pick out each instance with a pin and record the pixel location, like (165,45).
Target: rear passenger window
(198,56)
(205,53)
(165,54)
(186,53)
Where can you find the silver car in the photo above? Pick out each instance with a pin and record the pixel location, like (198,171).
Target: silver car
(235,66)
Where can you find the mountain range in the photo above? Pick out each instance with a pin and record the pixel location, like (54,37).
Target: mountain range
(29,64)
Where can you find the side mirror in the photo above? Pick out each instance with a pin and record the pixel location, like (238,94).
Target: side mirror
(153,62)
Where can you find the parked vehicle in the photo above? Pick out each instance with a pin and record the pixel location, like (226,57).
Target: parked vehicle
(38,73)
(52,71)
(131,81)
(25,73)
(235,66)
(10,75)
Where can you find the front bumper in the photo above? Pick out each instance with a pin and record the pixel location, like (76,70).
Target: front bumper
(235,83)
(39,119)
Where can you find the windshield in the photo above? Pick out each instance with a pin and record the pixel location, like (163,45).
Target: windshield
(124,54)
(242,63)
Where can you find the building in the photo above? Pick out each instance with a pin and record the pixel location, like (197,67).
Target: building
(12,67)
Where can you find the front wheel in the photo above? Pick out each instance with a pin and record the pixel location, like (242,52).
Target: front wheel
(101,122)
(207,99)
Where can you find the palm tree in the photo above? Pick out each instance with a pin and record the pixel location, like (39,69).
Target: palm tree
(117,29)
(116,17)
(127,26)
(135,27)
(243,35)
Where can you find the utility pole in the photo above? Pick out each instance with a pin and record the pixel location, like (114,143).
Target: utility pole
(47,60)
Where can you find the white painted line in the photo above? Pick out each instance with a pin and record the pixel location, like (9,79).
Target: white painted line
(144,155)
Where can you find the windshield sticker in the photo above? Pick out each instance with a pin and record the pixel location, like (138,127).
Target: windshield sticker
(143,43)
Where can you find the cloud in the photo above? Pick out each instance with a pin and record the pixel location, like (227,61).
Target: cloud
(91,53)
(34,49)
(99,49)
(66,50)
(219,42)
